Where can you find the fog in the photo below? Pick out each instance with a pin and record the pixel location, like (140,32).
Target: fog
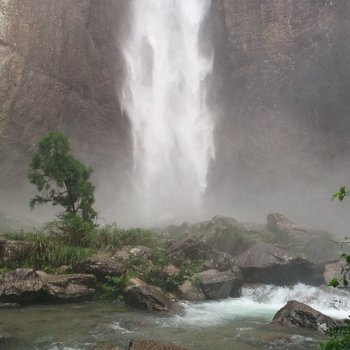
(278,94)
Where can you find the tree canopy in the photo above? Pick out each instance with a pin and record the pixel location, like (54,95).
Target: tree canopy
(60,178)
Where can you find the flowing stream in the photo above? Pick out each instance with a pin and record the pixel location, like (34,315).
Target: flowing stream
(239,323)
(164,96)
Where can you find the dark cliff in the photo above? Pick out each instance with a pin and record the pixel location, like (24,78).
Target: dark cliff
(283,76)
(280,92)
(59,63)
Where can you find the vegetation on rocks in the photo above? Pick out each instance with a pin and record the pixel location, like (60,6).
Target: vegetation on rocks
(340,335)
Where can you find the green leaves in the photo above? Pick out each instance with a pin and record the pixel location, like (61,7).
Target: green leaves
(341,194)
(60,178)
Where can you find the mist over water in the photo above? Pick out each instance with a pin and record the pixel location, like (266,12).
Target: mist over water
(164,95)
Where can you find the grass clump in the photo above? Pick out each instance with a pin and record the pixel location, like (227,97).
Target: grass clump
(44,252)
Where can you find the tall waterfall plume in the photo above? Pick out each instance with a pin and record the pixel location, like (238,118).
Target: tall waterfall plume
(164,95)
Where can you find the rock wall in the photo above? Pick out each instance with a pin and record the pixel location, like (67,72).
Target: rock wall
(60,67)
(281,87)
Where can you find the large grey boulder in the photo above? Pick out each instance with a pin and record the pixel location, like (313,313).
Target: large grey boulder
(219,261)
(29,286)
(141,295)
(152,345)
(100,266)
(190,291)
(297,314)
(219,285)
(191,247)
(275,264)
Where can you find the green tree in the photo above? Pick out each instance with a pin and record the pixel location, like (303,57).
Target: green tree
(61,179)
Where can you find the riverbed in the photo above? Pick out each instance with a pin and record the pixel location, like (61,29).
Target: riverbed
(235,323)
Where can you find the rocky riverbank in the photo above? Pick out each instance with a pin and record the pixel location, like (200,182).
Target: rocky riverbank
(206,261)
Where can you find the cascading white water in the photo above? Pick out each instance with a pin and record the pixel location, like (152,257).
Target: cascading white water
(165,99)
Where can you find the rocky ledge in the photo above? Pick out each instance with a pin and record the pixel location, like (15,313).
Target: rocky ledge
(30,286)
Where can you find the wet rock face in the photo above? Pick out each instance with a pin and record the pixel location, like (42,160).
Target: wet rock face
(274,264)
(29,286)
(220,285)
(296,314)
(100,267)
(59,69)
(282,74)
(141,295)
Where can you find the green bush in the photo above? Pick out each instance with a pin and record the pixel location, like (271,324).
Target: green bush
(340,338)
(114,287)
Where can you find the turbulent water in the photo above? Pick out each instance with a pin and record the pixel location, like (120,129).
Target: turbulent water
(164,96)
(240,323)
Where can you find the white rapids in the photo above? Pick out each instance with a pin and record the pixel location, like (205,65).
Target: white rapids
(263,302)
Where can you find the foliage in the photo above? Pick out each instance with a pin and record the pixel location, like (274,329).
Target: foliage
(114,287)
(344,273)
(111,237)
(340,338)
(44,252)
(341,194)
(3,270)
(60,178)
(154,271)
(70,229)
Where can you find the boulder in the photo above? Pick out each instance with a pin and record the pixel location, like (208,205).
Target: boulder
(219,285)
(152,345)
(68,288)
(28,286)
(333,270)
(100,266)
(296,314)
(279,222)
(141,251)
(171,270)
(193,247)
(275,264)
(220,261)
(141,295)
(189,291)
(108,347)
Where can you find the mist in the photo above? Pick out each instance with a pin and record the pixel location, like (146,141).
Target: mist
(277,94)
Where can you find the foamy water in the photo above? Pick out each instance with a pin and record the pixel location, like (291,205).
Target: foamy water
(164,96)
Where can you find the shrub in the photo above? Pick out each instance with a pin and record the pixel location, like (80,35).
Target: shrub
(114,287)
(340,338)
(46,253)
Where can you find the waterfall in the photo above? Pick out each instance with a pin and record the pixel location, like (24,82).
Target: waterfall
(164,97)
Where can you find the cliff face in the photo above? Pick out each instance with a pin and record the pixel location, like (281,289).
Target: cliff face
(283,69)
(280,91)
(58,66)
